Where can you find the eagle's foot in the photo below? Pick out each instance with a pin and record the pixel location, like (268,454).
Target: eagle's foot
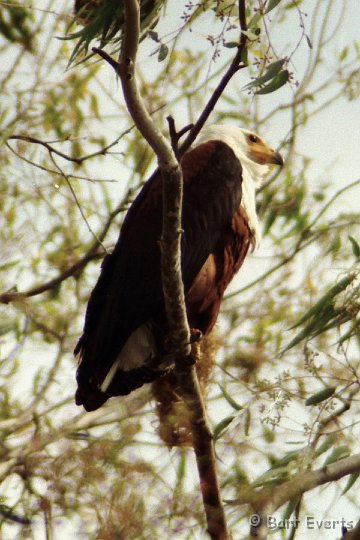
(195,339)
(195,335)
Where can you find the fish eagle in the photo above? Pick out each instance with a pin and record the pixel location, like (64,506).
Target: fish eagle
(124,337)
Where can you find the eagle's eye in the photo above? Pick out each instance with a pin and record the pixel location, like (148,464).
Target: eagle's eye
(253,138)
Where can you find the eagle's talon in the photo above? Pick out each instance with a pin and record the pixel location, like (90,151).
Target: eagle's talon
(195,335)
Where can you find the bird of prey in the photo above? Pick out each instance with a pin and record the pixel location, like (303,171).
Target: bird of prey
(123,344)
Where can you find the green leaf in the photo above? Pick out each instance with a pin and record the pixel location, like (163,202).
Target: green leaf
(328,443)
(252,35)
(269,221)
(277,82)
(268,434)
(231,44)
(271,5)
(153,35)
(285,460)
(294,5)
(321,396)
(292,504)
(163,52)
(353,330)
(344,53)
(227,8)
(244,56)
(272,70)
(355,247)
(222,425)
(351,481)
(323,314)
(6,327)
(255,19)
(326,299)
(181,470)
(235,405)
(8,265)
(272,477)
(338,453)
(247,422)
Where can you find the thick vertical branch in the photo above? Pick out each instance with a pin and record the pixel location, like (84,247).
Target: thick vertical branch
(203,444)
(179,334)
(126,70)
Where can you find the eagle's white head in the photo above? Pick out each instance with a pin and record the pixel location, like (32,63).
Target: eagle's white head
(255,157)
(253,152)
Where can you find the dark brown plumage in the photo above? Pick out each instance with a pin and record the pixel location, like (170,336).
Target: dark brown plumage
(127,301)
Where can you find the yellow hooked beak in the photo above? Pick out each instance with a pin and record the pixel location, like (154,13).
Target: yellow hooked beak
(263,154)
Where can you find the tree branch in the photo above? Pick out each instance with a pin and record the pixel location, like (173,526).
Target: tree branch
(74,270)
(173,289)
(53,150)
(234,67)
(312,479)
(203,444)
(266,501)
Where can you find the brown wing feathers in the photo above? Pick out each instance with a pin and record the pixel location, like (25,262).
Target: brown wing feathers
(204,297)
(129,291)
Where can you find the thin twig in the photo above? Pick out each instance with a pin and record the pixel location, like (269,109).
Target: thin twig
(74,270)
(237,64)
(102,152)
(67,180)
(77,160)
(175,136)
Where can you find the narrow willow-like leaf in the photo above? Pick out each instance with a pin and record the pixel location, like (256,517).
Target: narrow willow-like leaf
(255,19)
(355,247)
(271,5)
(222,425)
(8,265)
(247,422)
(271,71)
(181,470)
(351,481)
(328,443)
(338,453)
(277,82)
(272,477)
(231,44)
(290,508)
(235,405)
(285,460)
(326,299)
(320,396)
